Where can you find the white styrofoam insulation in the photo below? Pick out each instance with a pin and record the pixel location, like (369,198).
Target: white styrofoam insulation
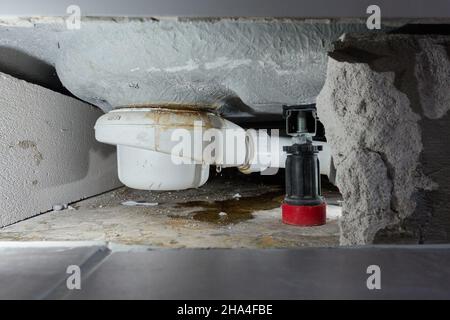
(48,151)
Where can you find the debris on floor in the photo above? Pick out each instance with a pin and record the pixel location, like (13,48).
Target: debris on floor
(59,207)
(208,217)
(131,203)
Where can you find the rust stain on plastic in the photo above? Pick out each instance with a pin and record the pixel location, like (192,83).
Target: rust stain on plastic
(174,106)
(170,118)
(178,118)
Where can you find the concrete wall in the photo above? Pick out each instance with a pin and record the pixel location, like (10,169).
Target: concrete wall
(48,153)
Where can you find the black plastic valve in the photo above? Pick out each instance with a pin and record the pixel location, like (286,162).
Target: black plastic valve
(303,175)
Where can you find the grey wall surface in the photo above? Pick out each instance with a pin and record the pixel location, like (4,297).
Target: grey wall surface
(48,153)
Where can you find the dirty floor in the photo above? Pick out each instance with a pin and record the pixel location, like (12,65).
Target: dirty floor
(231,211)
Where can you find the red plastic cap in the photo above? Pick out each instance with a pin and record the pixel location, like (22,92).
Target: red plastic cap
(305,216)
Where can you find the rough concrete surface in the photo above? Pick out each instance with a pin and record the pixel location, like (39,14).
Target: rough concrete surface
(384,107)
(237,211)
(48,153)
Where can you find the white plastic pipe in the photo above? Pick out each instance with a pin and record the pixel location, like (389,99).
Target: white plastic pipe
(166,149)
(149,170)
(267,152)
(182,134)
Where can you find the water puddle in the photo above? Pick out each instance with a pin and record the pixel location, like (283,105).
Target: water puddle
(234,210)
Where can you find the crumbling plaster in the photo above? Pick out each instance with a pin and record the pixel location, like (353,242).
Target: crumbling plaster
(384,105)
